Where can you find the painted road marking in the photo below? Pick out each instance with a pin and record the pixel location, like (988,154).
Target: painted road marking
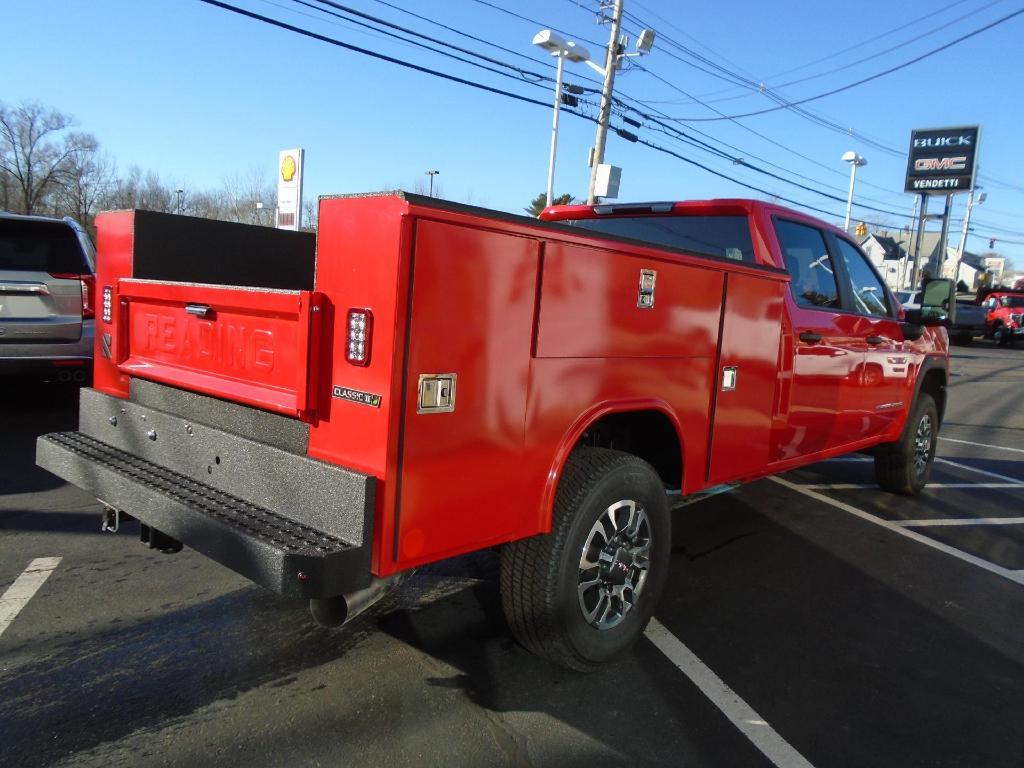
(985,472)
(24,587)
(961,521)
(858,486)
(1014,576)
(740,714)
(982,445)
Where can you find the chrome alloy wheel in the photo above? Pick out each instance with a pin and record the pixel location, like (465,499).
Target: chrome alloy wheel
(614,564)
(923,445)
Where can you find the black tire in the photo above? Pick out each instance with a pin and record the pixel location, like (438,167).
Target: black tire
(965,339)
(541,576)
(905,466)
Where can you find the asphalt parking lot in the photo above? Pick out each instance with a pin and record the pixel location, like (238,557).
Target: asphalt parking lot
(808,620)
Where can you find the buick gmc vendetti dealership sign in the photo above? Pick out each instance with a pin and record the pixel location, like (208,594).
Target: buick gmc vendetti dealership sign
(942,160)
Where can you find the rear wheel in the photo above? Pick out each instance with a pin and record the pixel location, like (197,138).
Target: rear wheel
(584,592)
(905,466)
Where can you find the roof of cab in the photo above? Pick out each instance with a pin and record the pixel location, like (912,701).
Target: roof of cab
(714,207)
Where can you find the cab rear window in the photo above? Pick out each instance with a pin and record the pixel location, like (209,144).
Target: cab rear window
(726,237)
(40,246)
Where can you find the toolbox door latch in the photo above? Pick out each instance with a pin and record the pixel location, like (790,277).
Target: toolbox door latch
(436,393)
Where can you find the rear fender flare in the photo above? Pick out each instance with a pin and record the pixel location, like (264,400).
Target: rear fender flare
(584,422)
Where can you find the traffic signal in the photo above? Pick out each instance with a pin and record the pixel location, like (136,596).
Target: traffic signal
(862,229)
(991,243)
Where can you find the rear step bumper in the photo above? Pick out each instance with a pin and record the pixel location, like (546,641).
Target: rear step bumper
(297,526)
(289,558)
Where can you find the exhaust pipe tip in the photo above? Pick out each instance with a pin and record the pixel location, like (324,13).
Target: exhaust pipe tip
(329,612)
(336,611)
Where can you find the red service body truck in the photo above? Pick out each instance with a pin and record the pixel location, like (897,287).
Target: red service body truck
(1004,319)
(423,379)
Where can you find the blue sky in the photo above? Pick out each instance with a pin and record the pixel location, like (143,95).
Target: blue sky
(196,94)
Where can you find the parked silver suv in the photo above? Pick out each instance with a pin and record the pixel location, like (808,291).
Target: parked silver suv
(47,297)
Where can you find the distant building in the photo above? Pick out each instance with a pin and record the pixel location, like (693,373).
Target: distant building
(892,253)
(995,265)
(889,257)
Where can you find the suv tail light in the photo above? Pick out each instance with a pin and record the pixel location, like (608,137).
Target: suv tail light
(88,291)
(360,333)
(88,296)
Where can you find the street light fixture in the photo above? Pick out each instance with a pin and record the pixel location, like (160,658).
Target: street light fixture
(562,49)
(431,174)
(855,162)
(179,193)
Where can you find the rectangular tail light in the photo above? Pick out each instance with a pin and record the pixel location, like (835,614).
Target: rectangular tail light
(108,303)
(359,337)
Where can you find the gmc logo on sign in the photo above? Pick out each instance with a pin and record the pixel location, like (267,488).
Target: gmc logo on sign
(941,164)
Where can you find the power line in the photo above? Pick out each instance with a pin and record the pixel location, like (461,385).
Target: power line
(372,54)
(536,23)
(867,79)
(426,70)
(872,56)
(859,45)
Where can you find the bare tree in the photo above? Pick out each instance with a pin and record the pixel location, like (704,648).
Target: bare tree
(37,150)
(240,193)
(90,179)
(310,216)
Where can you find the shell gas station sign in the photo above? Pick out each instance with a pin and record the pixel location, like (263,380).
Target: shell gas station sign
(289,188)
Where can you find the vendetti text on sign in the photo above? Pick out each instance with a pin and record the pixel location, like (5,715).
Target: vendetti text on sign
(942,160)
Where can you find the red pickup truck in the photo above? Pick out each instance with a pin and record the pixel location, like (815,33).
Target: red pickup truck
(425,379)
(1004,321)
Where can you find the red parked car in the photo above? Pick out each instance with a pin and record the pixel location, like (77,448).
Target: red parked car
(428,379)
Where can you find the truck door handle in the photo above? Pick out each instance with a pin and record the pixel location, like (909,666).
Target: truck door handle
(810,337)
(874,340)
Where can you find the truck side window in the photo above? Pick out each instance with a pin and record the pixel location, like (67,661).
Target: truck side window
(813,275)
(866,290)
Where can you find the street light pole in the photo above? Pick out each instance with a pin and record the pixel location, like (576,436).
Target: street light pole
(178,193)
(855,161)
(606,100)
(554,128)
(432,174)
(562,49)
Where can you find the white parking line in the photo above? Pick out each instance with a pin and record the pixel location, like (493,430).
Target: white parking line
(929,522)
(982,445)
(740,714)
(26,585)
(858,486)
(985,472)
(1014,576)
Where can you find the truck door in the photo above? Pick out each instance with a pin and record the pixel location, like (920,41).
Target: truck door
(877,331)
(747,377)
(466,380)
(819,402)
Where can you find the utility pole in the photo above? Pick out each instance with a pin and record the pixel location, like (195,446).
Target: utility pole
(963,234)
(922,217)
(901,275)
(943,236)
(597,157)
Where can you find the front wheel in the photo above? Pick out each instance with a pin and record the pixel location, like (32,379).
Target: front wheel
(584,592)
(905,466)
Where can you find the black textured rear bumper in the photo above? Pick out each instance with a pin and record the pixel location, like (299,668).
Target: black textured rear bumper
(282,547)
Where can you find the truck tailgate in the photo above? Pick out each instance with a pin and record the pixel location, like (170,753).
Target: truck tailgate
(248,345)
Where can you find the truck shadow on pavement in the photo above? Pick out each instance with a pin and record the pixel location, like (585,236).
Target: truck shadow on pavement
(27,411)
(97,688)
